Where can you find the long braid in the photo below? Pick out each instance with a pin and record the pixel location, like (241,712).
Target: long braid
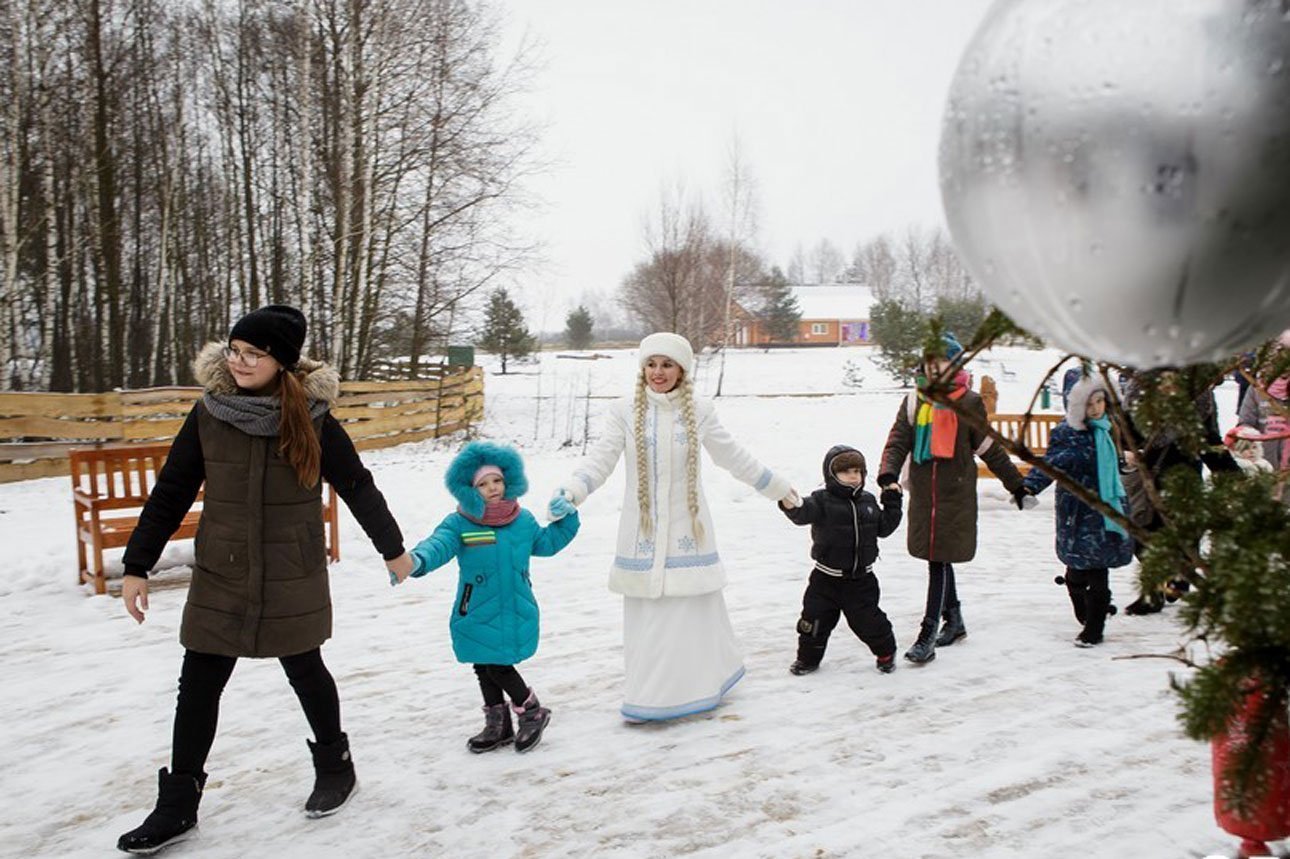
(691,457)
(642,456)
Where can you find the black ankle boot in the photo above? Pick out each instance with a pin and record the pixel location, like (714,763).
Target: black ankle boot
(334,779)
(174,818)
(924,649)
(497,729)
(953,629)
(533,719)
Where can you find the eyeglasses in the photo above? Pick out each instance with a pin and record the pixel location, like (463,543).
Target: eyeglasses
(246,356)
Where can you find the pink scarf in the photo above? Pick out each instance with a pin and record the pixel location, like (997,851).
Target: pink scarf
(496,513)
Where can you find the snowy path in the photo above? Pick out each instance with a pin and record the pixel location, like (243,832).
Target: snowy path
(1013,743)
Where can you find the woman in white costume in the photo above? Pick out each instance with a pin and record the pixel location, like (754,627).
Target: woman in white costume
(680,651)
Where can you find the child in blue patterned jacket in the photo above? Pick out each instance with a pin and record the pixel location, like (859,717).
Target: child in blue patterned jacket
(494,620)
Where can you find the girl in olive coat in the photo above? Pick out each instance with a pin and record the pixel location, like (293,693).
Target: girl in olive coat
(260,439)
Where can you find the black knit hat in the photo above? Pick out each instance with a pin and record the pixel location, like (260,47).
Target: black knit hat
(847,459)
(277,329)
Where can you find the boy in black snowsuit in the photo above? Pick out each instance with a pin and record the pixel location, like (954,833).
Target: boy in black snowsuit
(846,523)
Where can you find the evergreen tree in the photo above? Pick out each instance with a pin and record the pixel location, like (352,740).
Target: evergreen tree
(504,333)
(577,328)
(780,311)
(900,332)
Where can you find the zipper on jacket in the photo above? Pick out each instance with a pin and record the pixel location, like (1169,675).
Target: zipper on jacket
(855,521)
(931,537)
(465,598)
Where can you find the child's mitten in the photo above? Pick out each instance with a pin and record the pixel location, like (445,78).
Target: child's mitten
(560,506)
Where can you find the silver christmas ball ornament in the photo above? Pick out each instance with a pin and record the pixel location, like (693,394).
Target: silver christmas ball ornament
(1116,173)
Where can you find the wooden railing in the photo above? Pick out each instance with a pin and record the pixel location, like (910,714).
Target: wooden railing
(38,430)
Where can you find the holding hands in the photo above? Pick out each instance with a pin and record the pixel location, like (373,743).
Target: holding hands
(561,505)
(400,568)
(791,500)
(1025,498)
(888,482)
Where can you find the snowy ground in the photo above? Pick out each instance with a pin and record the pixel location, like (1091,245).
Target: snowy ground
(1013,743)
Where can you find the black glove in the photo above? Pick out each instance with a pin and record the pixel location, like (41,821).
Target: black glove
(1024,498)
(890,497)
(886,480)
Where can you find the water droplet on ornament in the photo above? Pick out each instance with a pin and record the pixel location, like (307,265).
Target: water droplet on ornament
(1195,340)
(1274,68)
(1173,332)
(1150,330)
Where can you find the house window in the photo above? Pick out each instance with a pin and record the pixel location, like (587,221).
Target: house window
(819,328)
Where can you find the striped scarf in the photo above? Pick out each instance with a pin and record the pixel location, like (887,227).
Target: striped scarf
(936,426)
(496,513)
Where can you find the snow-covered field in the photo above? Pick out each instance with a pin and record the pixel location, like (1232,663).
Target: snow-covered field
(1013,743)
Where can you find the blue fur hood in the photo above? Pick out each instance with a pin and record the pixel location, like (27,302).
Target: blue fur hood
(466,463)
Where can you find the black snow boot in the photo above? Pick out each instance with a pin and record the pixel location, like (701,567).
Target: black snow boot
(533,718)
(799,667)
(497,729)
(174,818)
(334,779)
(1146,604)
(953,629)
(924,649)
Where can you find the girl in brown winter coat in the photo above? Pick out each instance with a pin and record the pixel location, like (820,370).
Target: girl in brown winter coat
(260,439)
(942,490)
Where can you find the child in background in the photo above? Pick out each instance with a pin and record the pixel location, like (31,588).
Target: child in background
(1084,445)
(494,621)
(1247,448)
(846,523)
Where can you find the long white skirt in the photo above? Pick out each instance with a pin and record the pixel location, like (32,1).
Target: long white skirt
(681,656)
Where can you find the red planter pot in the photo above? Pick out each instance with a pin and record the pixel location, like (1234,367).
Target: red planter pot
(1270,820)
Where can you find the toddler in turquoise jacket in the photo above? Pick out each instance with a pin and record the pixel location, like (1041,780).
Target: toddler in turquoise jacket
(494,620)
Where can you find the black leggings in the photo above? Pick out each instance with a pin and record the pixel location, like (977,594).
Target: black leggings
(202,681)
(942,595)
(496,679)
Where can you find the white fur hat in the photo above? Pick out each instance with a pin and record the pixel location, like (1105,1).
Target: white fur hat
(1077,400)
(668,345)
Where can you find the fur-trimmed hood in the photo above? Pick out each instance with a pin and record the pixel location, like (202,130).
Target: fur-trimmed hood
(462,471)
(1077,399)
(321,381)
(831,482)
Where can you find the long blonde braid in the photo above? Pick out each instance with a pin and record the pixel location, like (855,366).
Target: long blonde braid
(691,456)
(642,455)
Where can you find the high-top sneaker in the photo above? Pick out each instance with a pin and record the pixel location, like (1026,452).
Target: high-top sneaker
(497,729)
(174,818)
(334,779)
(924,649)
(533,718)
(953,629)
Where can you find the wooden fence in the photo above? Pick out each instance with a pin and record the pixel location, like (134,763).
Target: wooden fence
(37,430)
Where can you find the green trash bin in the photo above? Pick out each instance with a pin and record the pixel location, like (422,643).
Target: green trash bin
(461,356)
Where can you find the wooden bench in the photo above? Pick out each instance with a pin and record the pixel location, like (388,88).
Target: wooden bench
(1036,436)
(111,482)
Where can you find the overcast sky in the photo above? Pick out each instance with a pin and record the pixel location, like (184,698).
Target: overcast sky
(836,104)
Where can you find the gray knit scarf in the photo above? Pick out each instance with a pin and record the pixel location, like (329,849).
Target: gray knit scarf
(253,415)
